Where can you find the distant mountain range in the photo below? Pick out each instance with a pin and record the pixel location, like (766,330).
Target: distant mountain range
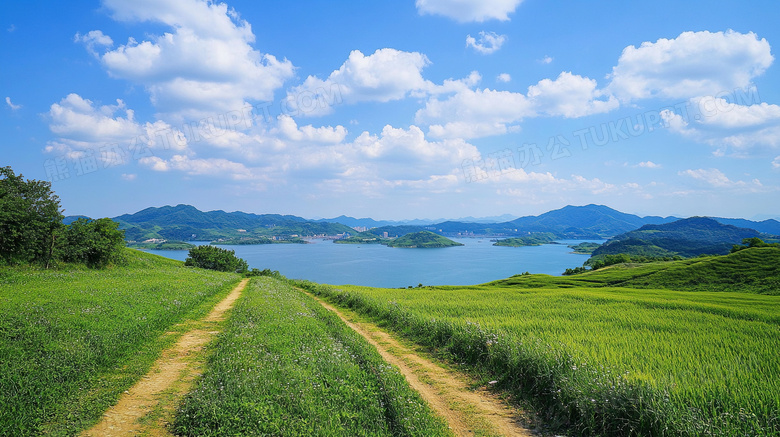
(686,237)
(185,222)
(371,223)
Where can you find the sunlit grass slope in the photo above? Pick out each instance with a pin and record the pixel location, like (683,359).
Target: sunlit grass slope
(72,339)
(755,270)
(602,360)
(285,366)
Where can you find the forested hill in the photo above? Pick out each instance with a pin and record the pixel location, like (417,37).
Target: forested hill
(688,237)
(185,222)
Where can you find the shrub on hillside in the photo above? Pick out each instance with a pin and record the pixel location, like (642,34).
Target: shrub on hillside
(215,258)
(95,243)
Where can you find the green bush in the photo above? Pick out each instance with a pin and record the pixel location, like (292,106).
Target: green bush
(95,243)
(215,258)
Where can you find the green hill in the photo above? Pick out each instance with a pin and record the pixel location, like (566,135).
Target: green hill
(688,237)
(753,270)
(423,239)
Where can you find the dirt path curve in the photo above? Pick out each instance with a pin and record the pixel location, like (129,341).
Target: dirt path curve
(146,407)
(468,412)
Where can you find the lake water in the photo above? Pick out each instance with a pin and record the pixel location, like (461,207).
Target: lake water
(477,262)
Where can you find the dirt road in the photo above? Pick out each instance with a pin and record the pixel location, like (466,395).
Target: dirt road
(468,412)
(146,407)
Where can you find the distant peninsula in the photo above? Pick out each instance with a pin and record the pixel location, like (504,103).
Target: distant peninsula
(161,245)
(422,240)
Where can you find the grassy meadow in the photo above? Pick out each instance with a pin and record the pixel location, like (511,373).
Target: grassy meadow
(73,339)
(603,360)
(285,366)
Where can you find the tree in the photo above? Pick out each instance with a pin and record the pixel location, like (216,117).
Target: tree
(95,243)
(30,216)
(215,258)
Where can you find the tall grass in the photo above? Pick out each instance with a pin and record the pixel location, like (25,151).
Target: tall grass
(72,339)
(285,366)
(604,361)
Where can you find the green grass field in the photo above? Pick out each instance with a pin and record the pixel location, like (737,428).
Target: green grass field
(73,339)
(285,366)
(603,360)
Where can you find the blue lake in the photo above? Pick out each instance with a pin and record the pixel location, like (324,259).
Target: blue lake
(478,261)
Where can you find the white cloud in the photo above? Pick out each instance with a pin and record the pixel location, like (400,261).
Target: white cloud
(204,64)
(504,77)
(483,112)
(716,179)
(488,42)
(718,122)
(410,146)
(469,10)
(474,113)
(648,164)
(776,163)
(693,64)
(92,39)
(129,176)
(216,167)
(570,96)
(546,60)
(81,125)
(11,105)
(289,128)
(387,74)
(79,119)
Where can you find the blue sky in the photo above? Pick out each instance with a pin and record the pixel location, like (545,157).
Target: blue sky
(395,109)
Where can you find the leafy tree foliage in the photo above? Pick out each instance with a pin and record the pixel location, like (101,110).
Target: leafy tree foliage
(752,242)
(215,258)
(30,216)
(95,243)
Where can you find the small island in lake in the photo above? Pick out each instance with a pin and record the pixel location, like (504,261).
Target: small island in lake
(422,240)
(585,248)
(531,240)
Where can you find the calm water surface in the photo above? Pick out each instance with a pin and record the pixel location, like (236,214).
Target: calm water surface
(374,265)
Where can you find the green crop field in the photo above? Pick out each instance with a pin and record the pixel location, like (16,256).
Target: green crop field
(285,366)
(73,339)
(601,360)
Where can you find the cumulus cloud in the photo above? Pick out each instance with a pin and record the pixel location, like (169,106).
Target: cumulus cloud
(79,119)
(570,96)
(719,122)
(648,164)
(504,77)
(93,39)
(469,10)
(206,63)
(484,112)
(387,74)
(82,125)
(546,60)
(202,167)
(474,113)
(488,42)
(776,162)
(289,129)
(693,64)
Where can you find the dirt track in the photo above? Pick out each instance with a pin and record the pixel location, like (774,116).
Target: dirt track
(147,406)
(468,412)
